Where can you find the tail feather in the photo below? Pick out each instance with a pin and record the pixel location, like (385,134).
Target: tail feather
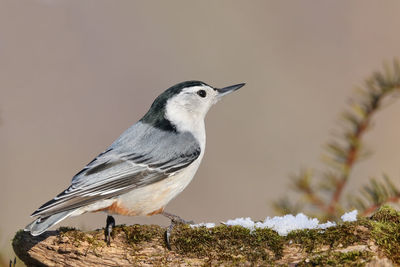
(41,224)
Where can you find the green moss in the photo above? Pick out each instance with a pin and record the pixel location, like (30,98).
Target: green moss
(228,243)
(94,239)
(386,232)
(386,214)
(75,236)
(18,238)
(272,239)
(352,258)
(64,229)
(346,234)
(137,233)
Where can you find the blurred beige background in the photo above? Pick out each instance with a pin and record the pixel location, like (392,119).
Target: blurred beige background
(75,74)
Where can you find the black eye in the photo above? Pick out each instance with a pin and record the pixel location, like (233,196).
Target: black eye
(202,93)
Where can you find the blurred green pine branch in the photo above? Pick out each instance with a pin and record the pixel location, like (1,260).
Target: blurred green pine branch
(324,199)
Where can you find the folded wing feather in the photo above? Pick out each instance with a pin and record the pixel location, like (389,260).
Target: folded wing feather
(141,156)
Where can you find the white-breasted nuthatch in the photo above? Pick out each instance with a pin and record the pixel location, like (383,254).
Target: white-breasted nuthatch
(146,167)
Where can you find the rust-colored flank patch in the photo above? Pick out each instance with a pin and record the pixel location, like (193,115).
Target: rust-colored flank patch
(118,209)
(156,212)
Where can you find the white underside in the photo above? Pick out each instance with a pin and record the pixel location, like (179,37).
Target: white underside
(153,197)
(148,199)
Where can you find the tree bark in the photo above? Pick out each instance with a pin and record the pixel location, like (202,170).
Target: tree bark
(143,245)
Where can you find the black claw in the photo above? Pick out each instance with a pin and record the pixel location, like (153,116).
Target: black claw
(12,264)
(110,224)
(168,234)
(166,238)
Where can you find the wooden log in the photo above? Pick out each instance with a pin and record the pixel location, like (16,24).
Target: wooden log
(370,242)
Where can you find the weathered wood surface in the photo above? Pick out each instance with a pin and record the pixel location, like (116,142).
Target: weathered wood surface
(369,242)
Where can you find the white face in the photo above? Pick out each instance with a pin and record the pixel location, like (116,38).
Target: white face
(188,109)
(196,100)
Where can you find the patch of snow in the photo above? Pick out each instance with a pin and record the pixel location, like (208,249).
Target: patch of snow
(207,225)
(245,222)
(282,224)
(327,225)
(350,216)
(285,224)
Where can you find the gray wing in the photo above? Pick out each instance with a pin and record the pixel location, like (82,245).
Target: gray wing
(140,156)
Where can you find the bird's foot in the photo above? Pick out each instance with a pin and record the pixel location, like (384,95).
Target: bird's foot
(110,224)
(175,220)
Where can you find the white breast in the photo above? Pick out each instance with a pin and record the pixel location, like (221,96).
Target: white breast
(150,198)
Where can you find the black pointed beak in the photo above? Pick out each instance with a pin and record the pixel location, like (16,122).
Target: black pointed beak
(229,89)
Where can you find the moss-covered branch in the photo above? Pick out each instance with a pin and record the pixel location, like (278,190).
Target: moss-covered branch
(350,244)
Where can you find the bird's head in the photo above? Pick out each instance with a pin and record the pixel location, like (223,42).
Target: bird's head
(184,106)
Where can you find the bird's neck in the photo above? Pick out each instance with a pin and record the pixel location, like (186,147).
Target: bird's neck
(187,121)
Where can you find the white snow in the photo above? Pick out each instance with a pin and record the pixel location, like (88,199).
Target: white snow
(245,222)
(284,224)
(206,225)
(350,216)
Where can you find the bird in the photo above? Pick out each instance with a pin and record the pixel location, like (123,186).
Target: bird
(145,167)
